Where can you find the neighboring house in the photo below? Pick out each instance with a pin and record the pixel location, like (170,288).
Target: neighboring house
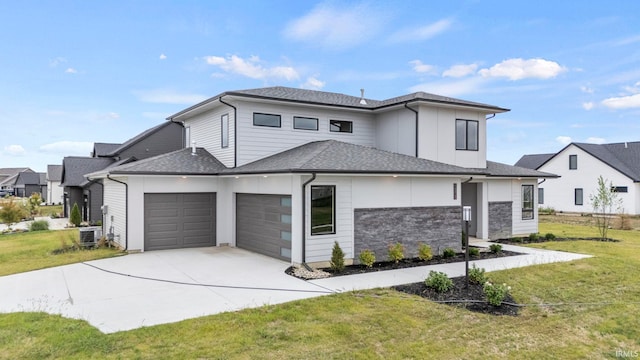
(160,139)
(8,177)
(54,190)
(287,172)
(29,182)
(579,166)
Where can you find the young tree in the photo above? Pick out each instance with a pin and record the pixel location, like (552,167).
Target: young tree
(34,203)
(605,202)
(75,217)
(12,212)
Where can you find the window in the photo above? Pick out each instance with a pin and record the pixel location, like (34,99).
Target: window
(268,120)
(573,162)
(527,202)
(285,201)
(305,123)
(619,189)
(578,196)
(340,126)
(323,210)
(466,135)
(224,129)
(187,136)
(540,196)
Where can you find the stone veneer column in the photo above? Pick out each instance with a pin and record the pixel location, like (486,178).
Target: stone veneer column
(500,220)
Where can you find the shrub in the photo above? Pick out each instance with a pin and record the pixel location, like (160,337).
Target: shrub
(546,211)
(337,258)
(12,212)
(75,217)
(39,225)
(33,203)
(396,252)
(367,258)
(473,251)
(438,281)
(495,293)
(550,236)
(533,237)
(448,253)
(424,252)
(495,248)
(476,275)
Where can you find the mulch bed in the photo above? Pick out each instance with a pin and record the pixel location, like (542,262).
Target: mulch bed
(471,298)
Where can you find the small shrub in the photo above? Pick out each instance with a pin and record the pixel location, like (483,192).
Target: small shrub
(495,248)
(39,225)
(337,258)
(424,252)
(438,281)
(448,253)
(533,237)
(473,251)
(33,203)
(396,252)
(550,236)
(546,211)
(12,212)
(367,258)
(495,293)
(75,217)
(476,275)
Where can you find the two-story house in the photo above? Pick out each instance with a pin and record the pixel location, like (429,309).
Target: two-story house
(287,172)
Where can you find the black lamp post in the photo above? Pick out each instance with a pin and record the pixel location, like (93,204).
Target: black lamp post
(466,216)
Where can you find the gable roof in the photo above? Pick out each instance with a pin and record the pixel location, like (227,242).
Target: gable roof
(136,139)
(29,178)
(496,169)
(287,94)
(75,167)
(8,175)
(533,161)
(54,172)
(103,149)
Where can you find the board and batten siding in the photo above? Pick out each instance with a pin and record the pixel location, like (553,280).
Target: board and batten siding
(396,132)
(257,142)
(116,216)
(205,129)
(524,227)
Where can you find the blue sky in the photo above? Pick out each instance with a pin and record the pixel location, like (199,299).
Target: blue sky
(74,73)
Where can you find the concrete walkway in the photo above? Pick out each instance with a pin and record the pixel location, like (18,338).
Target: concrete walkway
(159,287)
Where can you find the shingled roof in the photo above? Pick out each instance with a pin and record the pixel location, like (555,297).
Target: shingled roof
(533,161)
(54,172)
(103,149)
(180,162)
(75,167)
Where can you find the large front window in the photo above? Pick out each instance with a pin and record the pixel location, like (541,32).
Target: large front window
(527,202)
(466,135)
(323,210)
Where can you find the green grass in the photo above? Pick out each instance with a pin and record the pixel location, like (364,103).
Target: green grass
(49,210)
(601,298)
(33,250)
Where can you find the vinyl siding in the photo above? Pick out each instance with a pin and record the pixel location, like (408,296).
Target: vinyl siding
(115,199)
(524,227)
(205,130)
(396,132)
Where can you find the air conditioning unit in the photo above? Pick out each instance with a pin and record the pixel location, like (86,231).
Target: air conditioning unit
(89,235)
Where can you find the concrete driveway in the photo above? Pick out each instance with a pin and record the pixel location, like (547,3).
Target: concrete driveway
(155,287)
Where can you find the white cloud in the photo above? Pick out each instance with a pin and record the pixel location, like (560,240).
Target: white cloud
(460,70)
(517,69)
(564,140)
(421,33)
(419,67)
(67,148)
(57,61)
(71,71)
(162,56)
(15,150)
(587,105)
(164,96)
(337,27)
(623,102)
(634,89)
(252,67)
(313,83)
(596,140)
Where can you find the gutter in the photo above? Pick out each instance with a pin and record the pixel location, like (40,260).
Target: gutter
(304,222)
(126,211)
(406,105)
(235,131)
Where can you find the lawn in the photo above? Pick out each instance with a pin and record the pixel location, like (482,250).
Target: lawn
(592,312)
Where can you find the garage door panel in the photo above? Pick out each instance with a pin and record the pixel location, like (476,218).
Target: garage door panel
(259,224)
(163,227)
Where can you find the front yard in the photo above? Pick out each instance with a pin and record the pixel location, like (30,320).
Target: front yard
(582,309)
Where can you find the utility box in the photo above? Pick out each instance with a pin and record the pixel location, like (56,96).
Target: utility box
(89,235)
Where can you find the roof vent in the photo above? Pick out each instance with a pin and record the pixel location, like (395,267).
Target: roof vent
(193,148)
(362,100)
(625,145)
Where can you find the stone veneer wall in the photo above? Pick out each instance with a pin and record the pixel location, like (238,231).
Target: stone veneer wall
(500,220)
(376,229)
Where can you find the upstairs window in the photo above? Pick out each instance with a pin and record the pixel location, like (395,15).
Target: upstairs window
(323,210)
(527,202)
(340,126)
(619,189)
(466,135)
(305,123)
(224,130)
(573,162)
(268,120)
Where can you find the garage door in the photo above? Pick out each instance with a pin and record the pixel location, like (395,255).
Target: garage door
(182,220)
(263,224)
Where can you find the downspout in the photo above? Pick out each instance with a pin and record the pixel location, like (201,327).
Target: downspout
(540,183)
(469,179)
(235,132)
(304,221)
(416,112)
(126,212)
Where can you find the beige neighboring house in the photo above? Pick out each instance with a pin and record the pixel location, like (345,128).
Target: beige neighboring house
(55,192)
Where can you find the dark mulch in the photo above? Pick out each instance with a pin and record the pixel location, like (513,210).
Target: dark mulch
(527,240)
(471,298)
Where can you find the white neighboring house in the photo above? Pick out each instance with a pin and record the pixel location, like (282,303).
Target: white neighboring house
(55,192)
(287,172)
(579,166)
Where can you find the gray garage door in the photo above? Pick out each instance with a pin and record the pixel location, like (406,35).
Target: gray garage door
(263,224)
(182,220)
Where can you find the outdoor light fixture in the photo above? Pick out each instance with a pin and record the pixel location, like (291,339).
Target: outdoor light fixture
(466,213)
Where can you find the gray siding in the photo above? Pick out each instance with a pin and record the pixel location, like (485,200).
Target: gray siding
(205,130)
(168,138)
(500,220)
(376,229)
